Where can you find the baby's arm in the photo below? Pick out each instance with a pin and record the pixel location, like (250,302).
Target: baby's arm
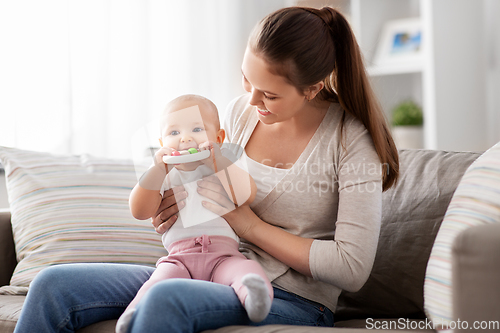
(144,203)
(145,197)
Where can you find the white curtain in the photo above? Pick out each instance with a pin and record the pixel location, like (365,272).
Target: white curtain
(86,76)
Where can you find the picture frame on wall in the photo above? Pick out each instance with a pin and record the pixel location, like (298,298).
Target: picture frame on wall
(400,43)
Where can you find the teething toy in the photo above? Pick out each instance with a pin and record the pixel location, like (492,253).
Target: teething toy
(186,156)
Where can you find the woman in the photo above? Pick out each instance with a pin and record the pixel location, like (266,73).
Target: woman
(319,149)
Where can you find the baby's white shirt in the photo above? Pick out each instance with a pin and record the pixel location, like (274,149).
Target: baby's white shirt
(194,219)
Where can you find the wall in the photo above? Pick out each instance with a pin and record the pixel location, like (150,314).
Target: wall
(460,81)
(492,38)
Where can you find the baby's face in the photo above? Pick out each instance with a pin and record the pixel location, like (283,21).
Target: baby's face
(187,126)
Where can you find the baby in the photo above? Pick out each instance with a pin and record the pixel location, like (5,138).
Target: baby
(198,235)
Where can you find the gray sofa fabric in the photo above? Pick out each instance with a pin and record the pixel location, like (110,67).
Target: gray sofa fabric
(10,308)
(477,250)
(411,216)
(412,213)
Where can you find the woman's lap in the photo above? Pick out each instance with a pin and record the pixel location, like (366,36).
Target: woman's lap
(194,306)
(64,298)
(68,297)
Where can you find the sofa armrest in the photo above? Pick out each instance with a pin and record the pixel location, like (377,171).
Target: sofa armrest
(7,249)
(476,277)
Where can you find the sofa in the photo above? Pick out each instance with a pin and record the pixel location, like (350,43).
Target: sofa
(393,296)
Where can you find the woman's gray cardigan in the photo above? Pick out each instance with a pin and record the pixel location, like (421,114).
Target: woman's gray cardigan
(333,193)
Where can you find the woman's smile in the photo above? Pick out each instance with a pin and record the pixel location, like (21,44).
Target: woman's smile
(263,112)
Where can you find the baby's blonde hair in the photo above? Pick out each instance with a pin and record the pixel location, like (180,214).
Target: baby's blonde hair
(194,98)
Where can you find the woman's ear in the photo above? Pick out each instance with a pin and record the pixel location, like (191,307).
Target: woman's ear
(221,135)
(313,90)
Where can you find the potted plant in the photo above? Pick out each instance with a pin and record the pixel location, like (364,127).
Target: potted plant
(407,129)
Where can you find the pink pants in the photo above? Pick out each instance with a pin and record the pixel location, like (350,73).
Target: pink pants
(209,258)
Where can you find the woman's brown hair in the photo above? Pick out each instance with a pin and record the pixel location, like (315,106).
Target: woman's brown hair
(307,46)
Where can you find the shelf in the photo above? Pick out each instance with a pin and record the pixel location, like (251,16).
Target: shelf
(395,69)
(455,85)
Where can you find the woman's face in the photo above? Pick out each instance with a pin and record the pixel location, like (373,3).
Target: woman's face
(275,99)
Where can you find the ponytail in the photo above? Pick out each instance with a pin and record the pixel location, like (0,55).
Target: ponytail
(350,81)
(308,45)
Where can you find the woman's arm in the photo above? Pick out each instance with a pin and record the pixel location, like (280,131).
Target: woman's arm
(290,249)
(345,261)
(344,258)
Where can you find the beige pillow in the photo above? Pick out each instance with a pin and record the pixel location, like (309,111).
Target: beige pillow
(73,209)
(475,202)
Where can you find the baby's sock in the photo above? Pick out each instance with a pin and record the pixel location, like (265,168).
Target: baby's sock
(124,321)
(257,302)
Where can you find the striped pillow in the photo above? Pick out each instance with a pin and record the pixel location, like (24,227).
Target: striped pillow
(73,209)
(476,201)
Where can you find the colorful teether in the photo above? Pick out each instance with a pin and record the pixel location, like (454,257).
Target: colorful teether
(186,156)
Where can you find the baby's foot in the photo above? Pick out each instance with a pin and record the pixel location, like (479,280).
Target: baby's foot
(124,321)
(257,302)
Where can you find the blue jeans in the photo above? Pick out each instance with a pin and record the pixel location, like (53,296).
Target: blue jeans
(67,297)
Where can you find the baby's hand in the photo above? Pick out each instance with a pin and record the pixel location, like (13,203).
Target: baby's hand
(159,156)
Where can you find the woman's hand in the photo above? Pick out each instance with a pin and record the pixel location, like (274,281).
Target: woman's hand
(237,217)
(166,215)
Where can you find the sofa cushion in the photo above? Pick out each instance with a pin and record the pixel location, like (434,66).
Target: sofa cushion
(475,202)
(10,309)
(412,212)
(73,209)
(476,277)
